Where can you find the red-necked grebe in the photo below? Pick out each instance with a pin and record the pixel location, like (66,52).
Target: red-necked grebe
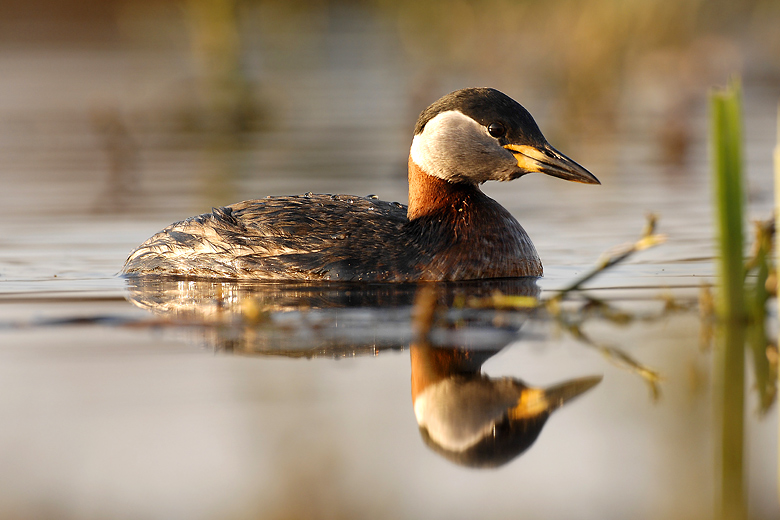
(449,231)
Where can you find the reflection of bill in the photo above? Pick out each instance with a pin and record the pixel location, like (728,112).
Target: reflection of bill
(474,420)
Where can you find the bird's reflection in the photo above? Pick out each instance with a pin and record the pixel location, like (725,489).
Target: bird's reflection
(463,415)
(326,319)
(475,420)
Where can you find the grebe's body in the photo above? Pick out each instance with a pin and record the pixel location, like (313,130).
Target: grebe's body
(449,231)
(294,238)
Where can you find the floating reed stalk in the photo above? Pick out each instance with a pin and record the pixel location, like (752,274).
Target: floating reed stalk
(757,294)
(777,249)
(726,132)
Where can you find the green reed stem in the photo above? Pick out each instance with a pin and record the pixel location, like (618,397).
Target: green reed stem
(726,134)
(727,162)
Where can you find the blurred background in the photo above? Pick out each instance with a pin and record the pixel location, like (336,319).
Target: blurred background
(118,117)
(229,99)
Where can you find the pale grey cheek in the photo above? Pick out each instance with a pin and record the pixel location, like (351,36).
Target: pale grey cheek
(472,156)
(457,148)
(507,168)
(494,163)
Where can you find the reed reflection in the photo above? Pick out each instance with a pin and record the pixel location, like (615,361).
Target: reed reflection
(465,416)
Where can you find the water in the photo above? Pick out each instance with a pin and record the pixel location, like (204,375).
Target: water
(114,410)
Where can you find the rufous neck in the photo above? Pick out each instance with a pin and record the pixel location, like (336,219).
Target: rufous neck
(429,195)
(431,365)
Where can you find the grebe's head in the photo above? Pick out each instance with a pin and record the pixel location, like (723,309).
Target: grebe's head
(475,135)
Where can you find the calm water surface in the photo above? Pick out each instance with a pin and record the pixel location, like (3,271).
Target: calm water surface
(115,409)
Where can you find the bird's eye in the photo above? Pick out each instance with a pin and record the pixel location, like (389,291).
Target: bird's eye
(496,130)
